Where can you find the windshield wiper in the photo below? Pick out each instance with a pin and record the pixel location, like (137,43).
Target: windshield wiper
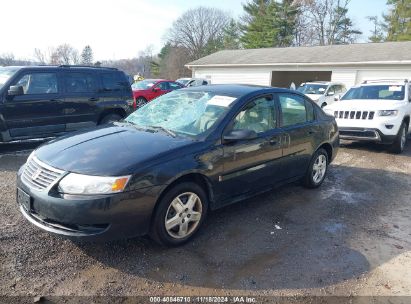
(169,132)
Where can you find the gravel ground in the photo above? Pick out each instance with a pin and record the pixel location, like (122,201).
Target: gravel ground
(350,237)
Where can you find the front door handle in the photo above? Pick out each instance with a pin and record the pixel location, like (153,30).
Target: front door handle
(311,132)
(94,99)
(55,100)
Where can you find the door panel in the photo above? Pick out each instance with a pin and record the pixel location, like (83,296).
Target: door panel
(80,98)
(298,123)
(39,111)
(250,165)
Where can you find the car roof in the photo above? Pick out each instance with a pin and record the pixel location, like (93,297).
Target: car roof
(64,67)
(238,90)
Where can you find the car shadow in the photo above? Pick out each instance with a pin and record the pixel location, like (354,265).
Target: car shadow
(374,147)
(289,238)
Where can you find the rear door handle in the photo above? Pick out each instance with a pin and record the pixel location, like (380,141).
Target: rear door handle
(94,99)
(56,100)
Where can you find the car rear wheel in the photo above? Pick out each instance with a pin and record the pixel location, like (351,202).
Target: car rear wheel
(179,215)
(112,117)
(141,101)
(317,169)
(401,139)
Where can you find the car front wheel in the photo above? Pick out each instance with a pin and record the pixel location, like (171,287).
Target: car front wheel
(141,101)
(179,214)
(317,169)
(401,139)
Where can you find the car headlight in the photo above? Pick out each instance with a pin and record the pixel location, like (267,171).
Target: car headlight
(86,184)
(387,113)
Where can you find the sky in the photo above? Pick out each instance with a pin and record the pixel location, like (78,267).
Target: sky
(116,29)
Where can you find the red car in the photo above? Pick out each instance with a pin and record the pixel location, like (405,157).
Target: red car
(148,89)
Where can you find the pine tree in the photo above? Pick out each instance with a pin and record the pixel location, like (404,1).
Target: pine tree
(269,23)
(399,20)
(378,33)
(231,38)
(345,32)
(87,56)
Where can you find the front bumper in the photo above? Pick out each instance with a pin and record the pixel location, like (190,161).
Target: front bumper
(92,218)
(365,134)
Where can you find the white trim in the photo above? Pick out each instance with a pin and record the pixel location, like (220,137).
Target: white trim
(396,62)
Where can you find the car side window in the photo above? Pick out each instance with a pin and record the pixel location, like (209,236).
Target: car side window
(79,83)
(331,90)
(113,82)
(310,111)
(259,116)
(293,109)
(164,86)
(174,86)
(38,83)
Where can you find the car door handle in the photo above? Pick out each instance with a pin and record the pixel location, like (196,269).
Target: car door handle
(56,100)
(273,142)
(94,99)
(311,132)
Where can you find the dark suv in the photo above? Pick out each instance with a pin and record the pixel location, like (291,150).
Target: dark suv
(46,101)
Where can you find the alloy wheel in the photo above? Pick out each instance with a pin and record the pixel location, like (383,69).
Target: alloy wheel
(183,215)
(319,168)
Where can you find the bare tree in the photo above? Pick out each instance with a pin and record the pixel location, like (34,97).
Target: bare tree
(199,30)
(7,59)
(40,56)
(325,22)
(172,64)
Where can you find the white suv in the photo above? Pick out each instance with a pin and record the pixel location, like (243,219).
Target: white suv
(323,92)
(377,110)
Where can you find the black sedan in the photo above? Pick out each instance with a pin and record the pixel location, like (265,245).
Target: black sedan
(165,166)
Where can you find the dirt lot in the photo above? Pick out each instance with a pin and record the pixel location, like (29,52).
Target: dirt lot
(350,237)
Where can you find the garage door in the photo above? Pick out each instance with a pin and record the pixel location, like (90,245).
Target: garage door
(383,74)
(284,79)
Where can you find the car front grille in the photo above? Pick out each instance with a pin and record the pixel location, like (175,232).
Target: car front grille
(354,115)
(38,175)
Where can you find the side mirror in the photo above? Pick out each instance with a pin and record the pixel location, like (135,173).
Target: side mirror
(156,89)
(15,91)
(237,135)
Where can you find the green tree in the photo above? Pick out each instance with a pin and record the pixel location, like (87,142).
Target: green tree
(345,32)
(378,32)
(87,55)
(231,38)
(399,20)
(268,23)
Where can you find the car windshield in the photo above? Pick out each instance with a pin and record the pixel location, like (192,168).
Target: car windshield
(143,85)
(183,81)
(6,74)
(186,112)
(316,89)
(387,92)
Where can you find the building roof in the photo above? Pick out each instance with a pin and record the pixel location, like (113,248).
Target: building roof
(371,53)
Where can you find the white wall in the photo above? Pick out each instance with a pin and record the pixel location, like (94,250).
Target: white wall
(257,76)
(262,75)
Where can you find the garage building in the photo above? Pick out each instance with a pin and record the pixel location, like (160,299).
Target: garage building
(349,64)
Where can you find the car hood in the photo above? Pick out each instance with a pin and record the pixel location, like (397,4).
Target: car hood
(313,97)
(113,150)
(365,105)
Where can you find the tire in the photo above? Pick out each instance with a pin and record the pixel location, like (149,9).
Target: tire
(400,140)
(141,101)
(320,160)
(110,118)
(166,210)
